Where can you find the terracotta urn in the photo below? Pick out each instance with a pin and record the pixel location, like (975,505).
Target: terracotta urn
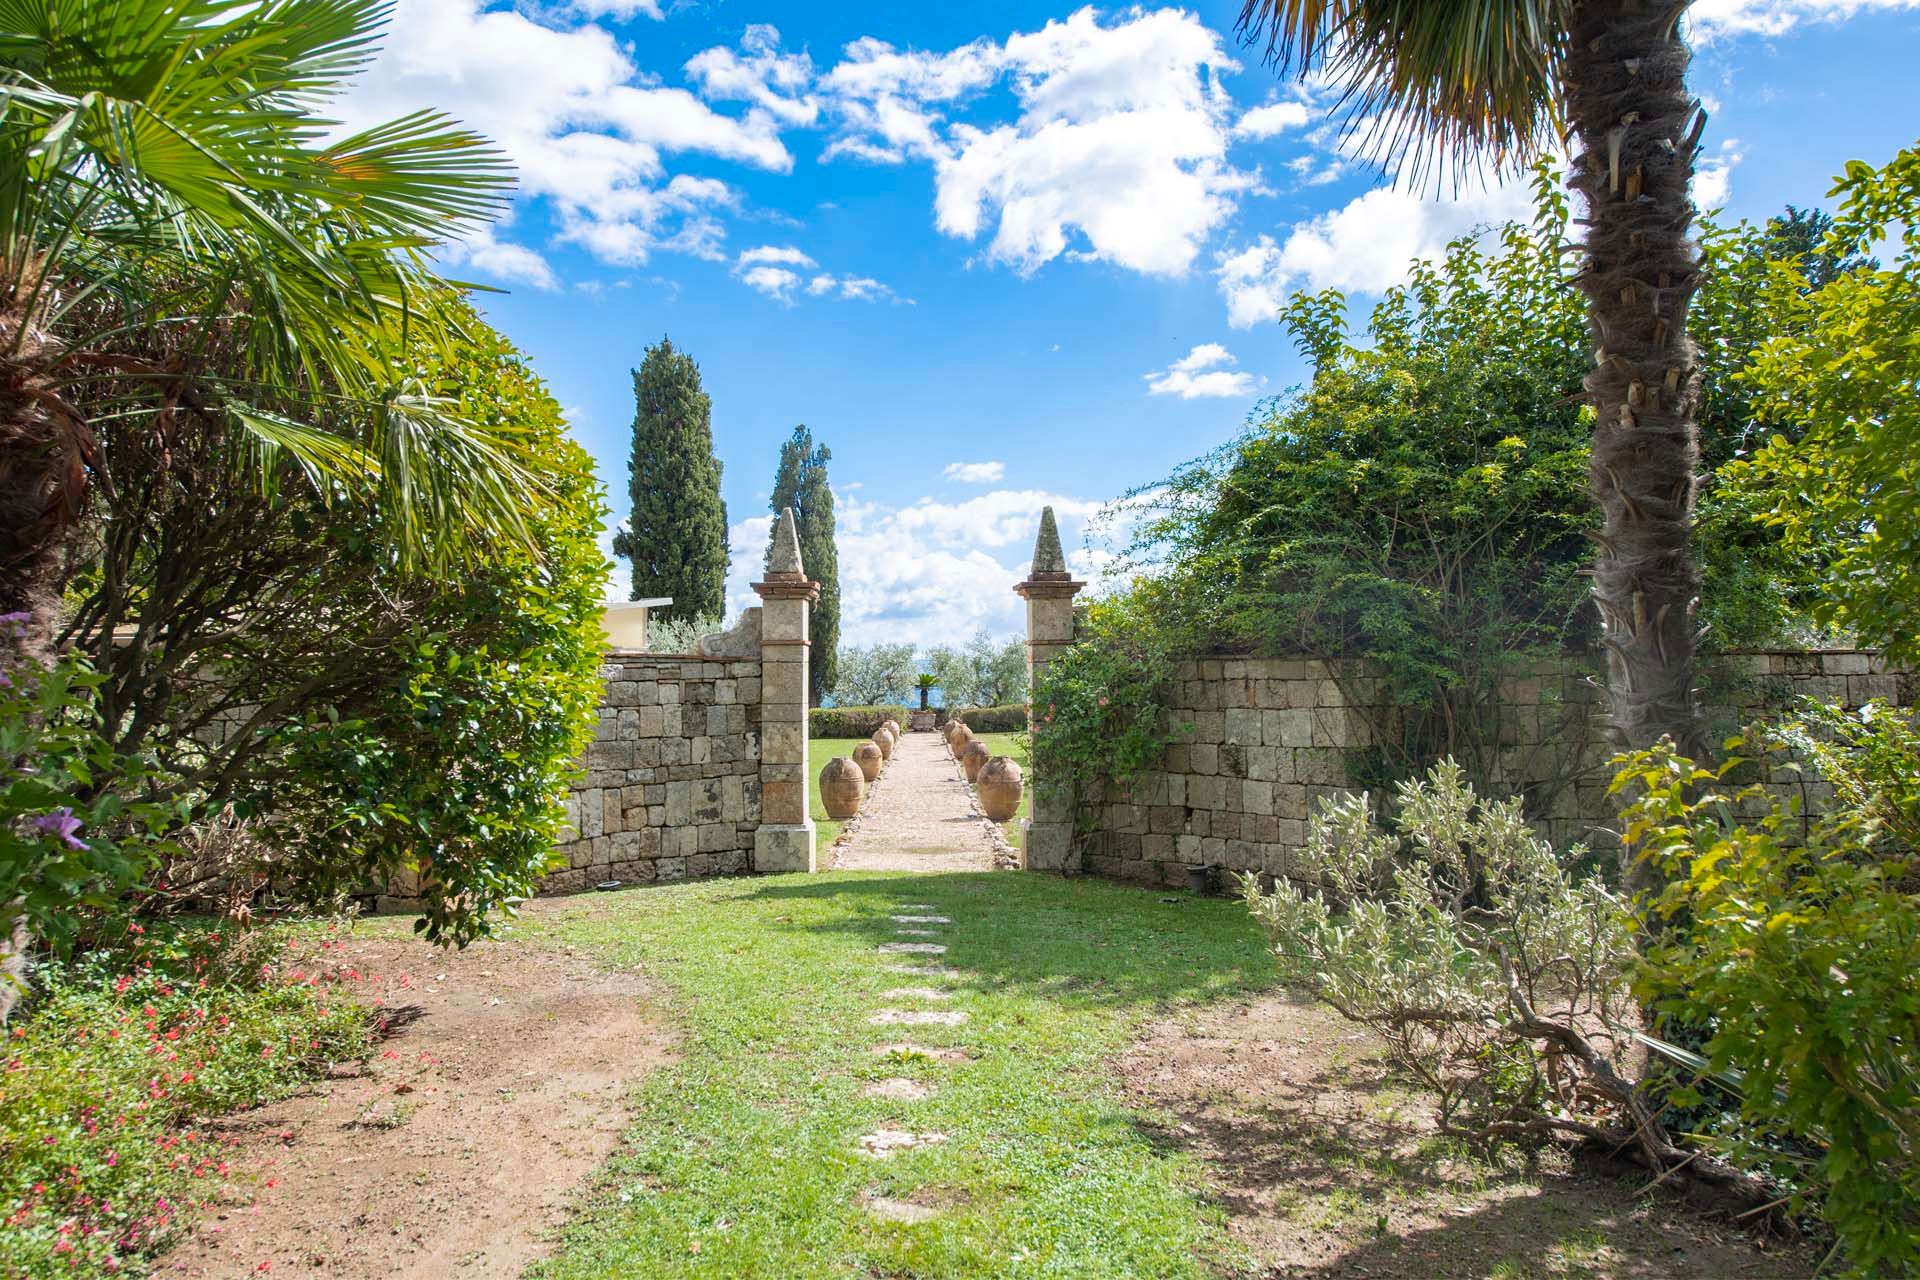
(842,788)
(867,756)
(959,738)
(884,741)
(892,726)
(974,757)
(999,786)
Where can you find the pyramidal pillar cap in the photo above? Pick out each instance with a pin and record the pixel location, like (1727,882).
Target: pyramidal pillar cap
(786,576)
(1049,575)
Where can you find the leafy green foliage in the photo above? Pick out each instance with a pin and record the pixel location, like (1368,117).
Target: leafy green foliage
(101,1156)
(1098,706)
(853,723)
(800,482)
(65,843)
(1794,942)
(1011,718)
(1421,505)
(454,775)
(680,635)
(1838,384)
(982,673)
(676,534)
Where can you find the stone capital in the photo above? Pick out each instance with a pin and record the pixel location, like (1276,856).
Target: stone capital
(780,586)
(1048,587)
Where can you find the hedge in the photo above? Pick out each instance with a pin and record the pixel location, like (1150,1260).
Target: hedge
(851,722)
(1011,718)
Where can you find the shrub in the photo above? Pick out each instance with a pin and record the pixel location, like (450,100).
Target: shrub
(1461,939)
(66,842)
(1793,943)
(1006,719)
(851,722)
(97,1165)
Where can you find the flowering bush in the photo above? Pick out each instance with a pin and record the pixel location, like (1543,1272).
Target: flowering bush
(101,1085)
(65,840)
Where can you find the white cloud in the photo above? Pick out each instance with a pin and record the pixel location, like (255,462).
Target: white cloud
(618,10)
(1363,247)
(1275,117)
(975,472)
(1710,19)
(585,127)
(502,260)
(774,81)
(1713,178)
(1195,376)
(1118,153)
(785,255)
(777,283)
(927,573)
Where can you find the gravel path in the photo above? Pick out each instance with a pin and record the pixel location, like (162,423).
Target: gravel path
(920,816)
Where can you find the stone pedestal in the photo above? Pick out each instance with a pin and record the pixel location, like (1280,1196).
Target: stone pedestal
(920,721)
(785,838)
(1046,837)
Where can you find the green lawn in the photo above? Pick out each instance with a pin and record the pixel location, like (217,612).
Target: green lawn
(819,751)
(743,1157)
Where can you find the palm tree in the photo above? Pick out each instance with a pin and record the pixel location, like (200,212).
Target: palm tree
(1436,84)
(180,235)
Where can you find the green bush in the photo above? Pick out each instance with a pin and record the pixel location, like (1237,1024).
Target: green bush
(1793,942)
(852,722)
(1006,719)
(102,1157)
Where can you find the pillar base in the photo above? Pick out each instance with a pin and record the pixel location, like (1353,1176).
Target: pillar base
(784,848)
(1048,846)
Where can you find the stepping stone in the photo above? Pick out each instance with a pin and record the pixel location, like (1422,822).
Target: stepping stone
(916,993)
(909,1051)
(924,970)
(923,919)
(899,1210)
(899,1088)
(918,933)
(916,906)
(918,1018)
(882,1143)
(912,948)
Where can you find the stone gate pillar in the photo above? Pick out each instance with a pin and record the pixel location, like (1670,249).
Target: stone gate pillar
(1046,838)
(784,840)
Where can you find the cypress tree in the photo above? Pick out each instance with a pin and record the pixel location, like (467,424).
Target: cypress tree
(677,534)
(800,482)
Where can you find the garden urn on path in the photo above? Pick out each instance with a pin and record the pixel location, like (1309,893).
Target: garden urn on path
(842,788)
(974,757)
(867,756)
(959,738)
(884,740)
(999,785)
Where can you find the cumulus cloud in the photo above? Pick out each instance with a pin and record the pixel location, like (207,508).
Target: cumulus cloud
(925,573)
(1118,153)
(1365,246)
(1199,375)
(775,270)
(1275,117)
(975,472)
(586,129)
(1711,19)
(760,73)
(1713,179)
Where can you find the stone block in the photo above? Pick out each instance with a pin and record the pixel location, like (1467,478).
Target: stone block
(1048,846)
(1295,728)
(1176,789)
(1256,796)
(1203,759)
(1209,726)
(782,803)
(1844,664)
(1242,725)
(1290,801)
(783,742)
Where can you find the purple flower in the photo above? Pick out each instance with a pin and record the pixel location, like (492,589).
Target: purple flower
(62,823)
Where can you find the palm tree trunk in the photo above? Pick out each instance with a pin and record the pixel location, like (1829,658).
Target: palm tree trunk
(1638,131)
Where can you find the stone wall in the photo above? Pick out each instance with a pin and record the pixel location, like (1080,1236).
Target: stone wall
(672,785)
(1258,742)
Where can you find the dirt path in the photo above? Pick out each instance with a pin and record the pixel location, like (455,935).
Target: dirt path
(1327,1171)
(454,1151)
(920,816)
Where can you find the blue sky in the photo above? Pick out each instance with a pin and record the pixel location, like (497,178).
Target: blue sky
(994,255)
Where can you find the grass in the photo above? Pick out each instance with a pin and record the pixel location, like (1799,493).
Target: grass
(743,1158)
